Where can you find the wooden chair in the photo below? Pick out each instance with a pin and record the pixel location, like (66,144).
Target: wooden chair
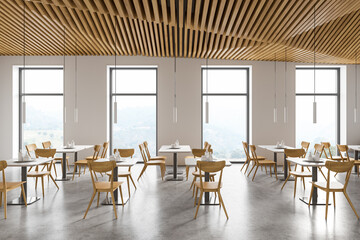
(328,154)
(44,153)
(206,147)
(84,162)
(108,187)
(344,154)
(154,158)
(210,167)
(126,153)
(160,163)
(8,186)
(319,148)
(296,153)
(329,186)
(47,145)
(248,158)
(305,146)
(196,174)
(103,153)
(258,163)
(30,150)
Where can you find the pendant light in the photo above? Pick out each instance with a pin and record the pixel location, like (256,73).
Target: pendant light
(285,94)
(64,73)
(355,107)
(76,111)
(314,103)
(24,70)
(207,91)
(275,87)
(115,102)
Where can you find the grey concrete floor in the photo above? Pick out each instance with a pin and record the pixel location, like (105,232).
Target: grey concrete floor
(164,210)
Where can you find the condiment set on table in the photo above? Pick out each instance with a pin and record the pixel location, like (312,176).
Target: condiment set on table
(23,157)
(70,145)
(280,145)
(175,145)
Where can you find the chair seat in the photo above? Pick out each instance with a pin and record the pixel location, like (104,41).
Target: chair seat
(154,158)
(356,162)
(260,158)
(333,185)
(266,162)
(338,158)
(156,162)
(106,185)
(60,158)
(91,158)
(208,185)
(38,173)
(10,185)
(197,174)
(121,173)
(81,162)
(301,174)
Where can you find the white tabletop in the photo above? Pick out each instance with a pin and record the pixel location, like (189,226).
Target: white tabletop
(302,162)
(179,149)
(38,161)
(77,148)
(354,147)
(191,162)
(273,148)
(124,162)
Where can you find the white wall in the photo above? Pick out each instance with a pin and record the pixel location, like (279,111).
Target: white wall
(92,100)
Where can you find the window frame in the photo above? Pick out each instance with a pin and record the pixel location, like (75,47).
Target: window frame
(337,94)
(111,94)
(247,95)
(21,95)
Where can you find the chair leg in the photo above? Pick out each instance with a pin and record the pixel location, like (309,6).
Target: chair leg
(311,194)
(128,183)
(251,169)
(196,193)
(42,185)
(142,172)
(198,205)
(54,168)
(98,199)
(73,172)
(193,182)
(247,166)
(352,206)
(323,173)
(222,203)
(303,180)
(334,198)
(246,161)
(121,195)
(132,181)
(295,185)
(255,172)
(52,178)
(5,204)
(270,171)
(92,198)
(286,180)
(95,176)
(327,204)
(112,196)
(79,170)
(0,199)
(187,172)
(36,181)
(84,169)
(275,172)
(266,170)
(23,194)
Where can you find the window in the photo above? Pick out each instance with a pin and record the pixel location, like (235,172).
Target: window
(135,91)
(42,91)
(327,96)
(226,90)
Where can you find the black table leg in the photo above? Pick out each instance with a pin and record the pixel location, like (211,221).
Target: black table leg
(356,158)
(109,200)
(315,200)
(75,160)
(64,177)
(207,194)
(174,176)
(175,166)
(285,167)
(20,200)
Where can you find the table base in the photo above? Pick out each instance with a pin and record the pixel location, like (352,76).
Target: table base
(171,178)
(62,179)
(19,201)
(109,201)
(320,201)
(172,172)
(210,203)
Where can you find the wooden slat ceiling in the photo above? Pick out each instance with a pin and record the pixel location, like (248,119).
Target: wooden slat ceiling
(215,29)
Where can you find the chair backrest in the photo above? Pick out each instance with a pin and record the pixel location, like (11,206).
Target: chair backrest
(105,148)
(246,146)
(146,149)
(102,167)
(3,165)
(126,152)
(206,144)
(253,153)
(97,149)
(45,153)
(143,154)
(339,167)
(46,144)
(319,148)
(344,152)
(198,152)
(305,146)
(30,148)
(296,153)
(210,167)
(327,146)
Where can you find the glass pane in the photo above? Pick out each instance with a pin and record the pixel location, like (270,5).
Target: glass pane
(44,120)
(135,80)
(227,125)
(326,81)
(325,130)
(136,123)
(43,81)
(224,80)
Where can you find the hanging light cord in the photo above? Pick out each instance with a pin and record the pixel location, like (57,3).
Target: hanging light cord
(285,75)
(207,79)
(314,50)
(24,62)
(76,75)
(275,103)
(356,80)
(115,54)
(175,81)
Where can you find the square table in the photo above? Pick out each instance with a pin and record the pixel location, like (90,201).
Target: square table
(356,149)
(24,165)
(314,171)
(64,151)
(191,162)
(124,162)
(275,150)
(175,151)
